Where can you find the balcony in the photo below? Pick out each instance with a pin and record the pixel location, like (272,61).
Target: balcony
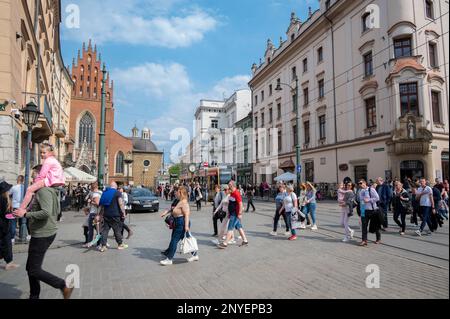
(61,132)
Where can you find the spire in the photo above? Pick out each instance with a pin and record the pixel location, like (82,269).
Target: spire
(95,48)
(90,45)
(79,55)
(309,12)
(84,47)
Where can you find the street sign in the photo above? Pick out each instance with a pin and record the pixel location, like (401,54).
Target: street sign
(299,168)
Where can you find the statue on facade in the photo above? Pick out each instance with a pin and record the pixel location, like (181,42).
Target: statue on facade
(411,130)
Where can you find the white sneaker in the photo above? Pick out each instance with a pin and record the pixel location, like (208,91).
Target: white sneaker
(418,232)
(314,227)
(193,258)
(28,237)
(232,242)
(239,238)
(224,237)
(273,233)
(215,241)
(345,240)
(352,232)
(166,262)
(13,241)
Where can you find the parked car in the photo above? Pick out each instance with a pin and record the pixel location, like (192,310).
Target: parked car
(142,199)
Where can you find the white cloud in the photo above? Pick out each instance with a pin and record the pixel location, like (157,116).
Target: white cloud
(125,22)
(171,95)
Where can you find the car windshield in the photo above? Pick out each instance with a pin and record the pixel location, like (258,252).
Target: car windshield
(141,192)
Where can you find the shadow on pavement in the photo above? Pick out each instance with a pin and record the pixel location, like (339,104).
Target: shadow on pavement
(149,253)
(9,291)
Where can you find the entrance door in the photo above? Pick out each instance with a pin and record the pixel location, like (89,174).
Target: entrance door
(411,169)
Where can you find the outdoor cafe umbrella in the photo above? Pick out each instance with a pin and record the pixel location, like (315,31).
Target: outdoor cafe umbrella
(74,175)
(286,177)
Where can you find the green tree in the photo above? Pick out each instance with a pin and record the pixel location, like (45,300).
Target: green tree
(175,170)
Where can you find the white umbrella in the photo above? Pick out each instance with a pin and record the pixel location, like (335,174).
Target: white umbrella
(286,177)
(75,175)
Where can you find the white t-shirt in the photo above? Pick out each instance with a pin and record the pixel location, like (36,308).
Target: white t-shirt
(425,199)
(94,208)
(289,202)
(17,195)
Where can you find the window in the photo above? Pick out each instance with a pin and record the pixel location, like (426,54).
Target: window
(292,36)
(294,131)
(309,171)
(321,89)
(305,96)
(402,47)
(280,140)
(256,122)
(279,110)
(270,115)
(278,82)
(409,98)
(320,55)
(262,96)
(433,55)
(81,90)
(307,135)
(322,128)
(270,90)
(262,119)
(371,113)
(361,173)
(88,89)
(435,102)
(429,9)
(305,65)
(119,163)
(368,64)
(365,20)
(256,99)
(214,123)
(86,130)
(257,149)
(294,73)
(327,4)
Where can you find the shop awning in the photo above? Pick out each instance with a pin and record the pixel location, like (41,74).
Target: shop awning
(74,175)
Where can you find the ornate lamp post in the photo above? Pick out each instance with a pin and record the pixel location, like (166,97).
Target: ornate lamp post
(298,168)
(128,161)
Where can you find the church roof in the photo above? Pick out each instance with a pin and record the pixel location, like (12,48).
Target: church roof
(143,145)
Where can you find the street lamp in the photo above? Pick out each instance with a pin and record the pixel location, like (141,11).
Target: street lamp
(297,146)
(30,118)
(101,150)
(128,161)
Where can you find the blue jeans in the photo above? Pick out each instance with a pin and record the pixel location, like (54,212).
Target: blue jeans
(12,228)
(178,234)
(426,217)
(311,208)
(234,222)
(289,223)
(91,218)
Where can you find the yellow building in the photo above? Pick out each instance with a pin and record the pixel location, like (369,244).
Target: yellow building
(30,54)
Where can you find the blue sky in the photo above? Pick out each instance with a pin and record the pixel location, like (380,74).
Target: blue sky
(166,55)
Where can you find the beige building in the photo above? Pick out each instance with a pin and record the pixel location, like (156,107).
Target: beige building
(31,69)
(373,94)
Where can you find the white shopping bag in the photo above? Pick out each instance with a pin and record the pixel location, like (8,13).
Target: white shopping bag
(188,245)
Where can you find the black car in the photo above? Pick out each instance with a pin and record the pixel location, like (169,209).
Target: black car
(142,199)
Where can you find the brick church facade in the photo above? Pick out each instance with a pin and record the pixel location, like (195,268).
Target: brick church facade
(85,125)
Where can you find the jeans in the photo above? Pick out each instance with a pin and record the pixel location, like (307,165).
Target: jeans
(426,218)
(199,204)
(365,223)
(289,223)
(250,203)
(311,208)
(12,228)
(36,253)
(5,241)
(344,221)
(116,224)
(276,218)
(402,214)
(178,234)
(90,236)
(215,219)
(234,223)
(383,208)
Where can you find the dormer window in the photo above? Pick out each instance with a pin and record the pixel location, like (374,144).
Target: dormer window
(292,36)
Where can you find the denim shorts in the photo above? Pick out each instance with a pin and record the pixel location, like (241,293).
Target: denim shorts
(234,223)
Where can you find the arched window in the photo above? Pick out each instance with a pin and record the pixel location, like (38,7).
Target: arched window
(86,130)
(120,163)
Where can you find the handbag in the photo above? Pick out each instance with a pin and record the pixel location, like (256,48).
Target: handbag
(221,214)
(188,245)
(170,221)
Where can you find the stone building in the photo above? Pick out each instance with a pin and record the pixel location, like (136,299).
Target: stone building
(372,92)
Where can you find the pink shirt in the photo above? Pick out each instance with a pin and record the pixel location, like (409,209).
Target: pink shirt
(51,172)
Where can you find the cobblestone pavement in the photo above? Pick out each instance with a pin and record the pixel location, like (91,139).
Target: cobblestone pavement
(317,265)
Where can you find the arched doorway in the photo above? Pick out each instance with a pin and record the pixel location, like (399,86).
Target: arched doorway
(411,169)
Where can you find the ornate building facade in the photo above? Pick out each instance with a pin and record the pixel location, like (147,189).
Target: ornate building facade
(372,92)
